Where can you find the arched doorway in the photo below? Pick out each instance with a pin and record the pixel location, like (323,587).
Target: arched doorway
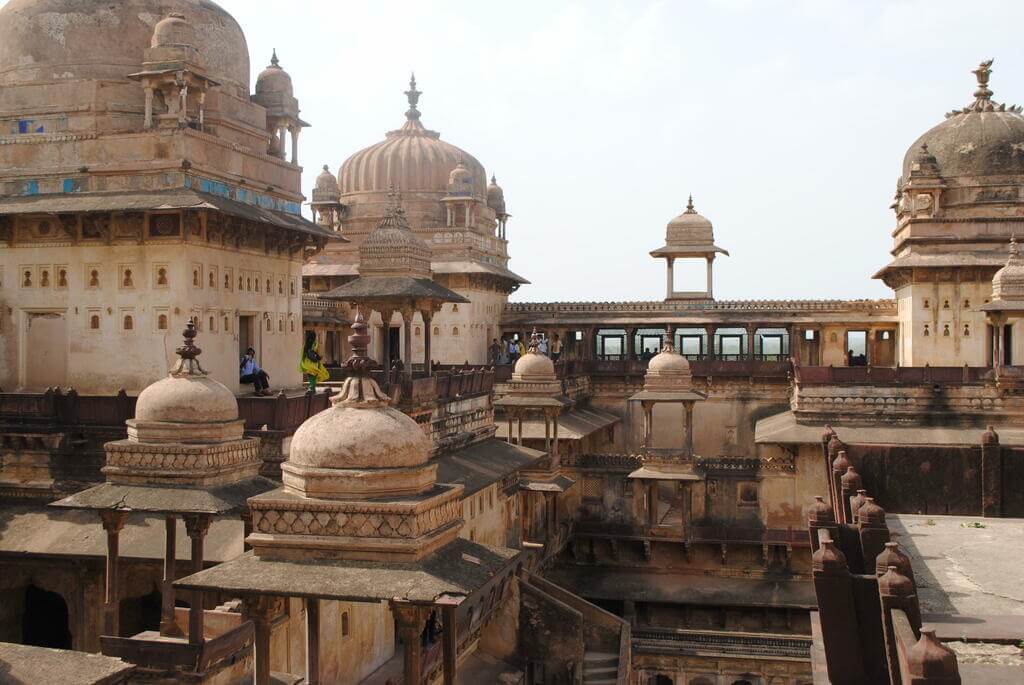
(44,622)
(662,680)
(140,613)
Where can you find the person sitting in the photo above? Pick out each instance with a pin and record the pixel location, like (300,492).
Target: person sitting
(250,372)
(312,364)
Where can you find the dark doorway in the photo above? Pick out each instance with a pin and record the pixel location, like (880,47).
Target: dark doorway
(1008,345)
(140,613)
(856,348)
(394,343)
(663,680)
(45,621)
(246,335)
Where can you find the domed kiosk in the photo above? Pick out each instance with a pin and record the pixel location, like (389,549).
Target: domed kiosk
(689,236)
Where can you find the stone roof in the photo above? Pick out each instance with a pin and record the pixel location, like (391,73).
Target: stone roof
(459,568)
(42,665)
(483,463)
(392,288)
(220,499)
(393,248)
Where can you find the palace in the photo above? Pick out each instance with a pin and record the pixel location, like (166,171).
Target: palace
(681,491)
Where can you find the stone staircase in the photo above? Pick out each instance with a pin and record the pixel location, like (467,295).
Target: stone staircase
(600,668)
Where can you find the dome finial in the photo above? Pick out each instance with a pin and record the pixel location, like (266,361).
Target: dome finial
(983,72)
(667,345)
(187,364)
(359,363)
(413,96)
(494,179)
(689,205)
(273,59)
(1014,250)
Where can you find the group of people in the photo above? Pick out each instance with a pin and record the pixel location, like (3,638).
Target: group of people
(509,350)
(311,364)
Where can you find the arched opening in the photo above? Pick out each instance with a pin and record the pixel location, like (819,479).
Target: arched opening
(140,613)
(662,680)
(45,620)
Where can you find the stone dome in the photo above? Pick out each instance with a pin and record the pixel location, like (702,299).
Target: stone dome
(97,39)
(534,365)
(669,362)
(460,181)
(689,228)
(983,139)
(412,158)
(495,196)
(173,29)
(820,512)
(274,79)
(892,583)
(364,437)
(325,189)
(1008,283)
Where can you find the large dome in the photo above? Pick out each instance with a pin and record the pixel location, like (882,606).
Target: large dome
(413,159)
(983,139)
(43,40)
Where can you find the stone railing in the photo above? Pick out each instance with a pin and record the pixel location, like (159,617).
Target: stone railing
(719,642)
(661,306)
(613,462)
(282,412)
(888,375)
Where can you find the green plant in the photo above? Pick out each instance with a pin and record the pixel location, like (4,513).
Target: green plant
(973,524)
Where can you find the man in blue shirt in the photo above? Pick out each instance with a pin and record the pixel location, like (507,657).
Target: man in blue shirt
(250,372)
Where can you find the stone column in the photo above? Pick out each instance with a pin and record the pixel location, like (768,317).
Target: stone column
(428,316)
(196,525)
(648,409)
(385,317)
(410,627)
(556,460)
(281,132)
(407,314)
(652,503)
(709,353)
(113,522)
(168,626)
(631,344)
(312,641)
(451,643)
(148,123)
(991,474)
(689,429)
(295,143)
(751,331)
(670,282)
(711,261)
(262,610)
(202,109)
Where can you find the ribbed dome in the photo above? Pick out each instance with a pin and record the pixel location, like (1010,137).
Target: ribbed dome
(98,39)
(274,79)
(668,371)
(1008,283)
(412,158)
(983,139)
(689,228)
(460,181)
(326,187)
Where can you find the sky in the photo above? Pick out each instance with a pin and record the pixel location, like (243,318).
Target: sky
(786,119)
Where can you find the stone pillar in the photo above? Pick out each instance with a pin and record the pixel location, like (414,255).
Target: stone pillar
(428,316)
(202,109)
(648,409)
(689,429)
(385,317)
(196,525)
(670,282)
(262,610)
(450,643)
(711,261)
(113,522)
(295,143)
(148,122)
(873,531)
(312,641)
(839,466)
(410,627)
(168,626)
(407,314)
(652,497)
(833,587)
(709,353)
(849,483)
(281,132)
(556,460)
(751,331)
(991,474)
(631,344)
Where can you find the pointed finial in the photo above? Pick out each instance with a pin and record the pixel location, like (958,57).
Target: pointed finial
(359,363)
(534,346)
(494,180)
(983,72)
(689,206)
(666,342)
(413,96)
(273,59)
(1014,250)
(187,364)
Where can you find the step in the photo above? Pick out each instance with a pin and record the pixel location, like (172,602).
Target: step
(600,671)
(599,656)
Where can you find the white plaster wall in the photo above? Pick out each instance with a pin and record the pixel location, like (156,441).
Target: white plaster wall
(106,360)
(938,305)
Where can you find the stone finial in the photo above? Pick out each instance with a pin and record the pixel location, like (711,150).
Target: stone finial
(990,437)
(689,206)
(359,363)
(870,514)
(983,72)
(534,346)
(851,480)
(359,388)
(893,583)
(188,364)
(274,62)
(820,512)
(494,179)
(667,345)
(840,464)
(829,559)
(413,97)
(835,446)
(892,556)
(929,658)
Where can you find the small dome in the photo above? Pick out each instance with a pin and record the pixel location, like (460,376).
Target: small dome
(534,365)
(460,181)
(851,480)
(929,658)
(173,30)
(374,437)
(326,187)
(669,362)
(1008,283)
(829,558)
(274,79)
(668,371)
(892,556)
(690,228)
(495,197)
(835,446)
(983,139)
(840,463)
(870,514)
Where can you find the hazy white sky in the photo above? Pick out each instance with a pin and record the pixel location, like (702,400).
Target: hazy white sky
(786,119)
